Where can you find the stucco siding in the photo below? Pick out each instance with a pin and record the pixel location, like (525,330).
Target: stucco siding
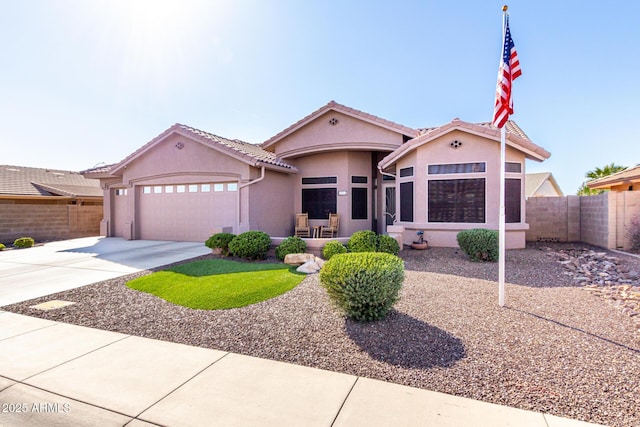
(271,204)
(347,133)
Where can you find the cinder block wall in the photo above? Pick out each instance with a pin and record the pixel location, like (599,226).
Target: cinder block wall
(596,220)
(48,222)
(548,219)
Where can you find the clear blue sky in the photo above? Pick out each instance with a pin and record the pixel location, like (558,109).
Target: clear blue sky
(88,81)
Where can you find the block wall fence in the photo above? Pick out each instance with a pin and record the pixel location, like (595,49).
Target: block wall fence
(48,221)
(600,220)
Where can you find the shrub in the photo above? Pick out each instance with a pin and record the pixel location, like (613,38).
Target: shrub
(2,247)
(220,241)
(333,248)
(24,242)
(388,244)
(479,243)
(364,286)
(633,233)
(290,245)
(250,245)
(363,241)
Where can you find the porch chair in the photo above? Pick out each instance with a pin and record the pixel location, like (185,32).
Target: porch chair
(331,229)
(302,225)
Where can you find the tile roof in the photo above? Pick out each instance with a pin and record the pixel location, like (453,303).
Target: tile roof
(253,151)
(252,154)
(25,181)
(627,176)
(332,105)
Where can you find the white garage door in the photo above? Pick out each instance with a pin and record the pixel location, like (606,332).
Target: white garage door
(186,212)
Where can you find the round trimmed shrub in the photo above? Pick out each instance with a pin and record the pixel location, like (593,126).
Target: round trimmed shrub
(333,248)
(250,245)
(480,244)
(220,241)
(364,285)
(24,242)
(290,245)
(363,241)
(388,244)
(2,246)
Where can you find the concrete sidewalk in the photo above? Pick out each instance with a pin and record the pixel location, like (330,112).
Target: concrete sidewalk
(58,266)
(60,374)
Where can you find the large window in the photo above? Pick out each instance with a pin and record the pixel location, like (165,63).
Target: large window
(406,201)
(512,200)
(457,200)
(319,202)
(359,203)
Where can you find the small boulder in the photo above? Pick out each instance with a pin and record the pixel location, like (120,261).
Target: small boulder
(297,259)
(309,267)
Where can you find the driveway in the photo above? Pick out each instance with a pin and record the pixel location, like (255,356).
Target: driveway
(59,266)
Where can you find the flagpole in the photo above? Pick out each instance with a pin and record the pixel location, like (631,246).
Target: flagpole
(501,226)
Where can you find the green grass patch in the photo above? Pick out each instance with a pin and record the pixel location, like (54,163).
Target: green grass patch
(219,284)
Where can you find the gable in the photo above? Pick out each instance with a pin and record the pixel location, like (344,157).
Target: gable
(476,134)
(334,130)
(336,127)
(179,155)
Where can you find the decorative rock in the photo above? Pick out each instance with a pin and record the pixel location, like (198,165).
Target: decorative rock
(298,259)
(320,262)
(309,267)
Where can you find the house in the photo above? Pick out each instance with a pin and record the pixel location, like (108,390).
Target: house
(541,184)
(48,204)
(186,184)
(626,180)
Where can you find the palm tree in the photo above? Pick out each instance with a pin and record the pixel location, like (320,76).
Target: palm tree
(597,173)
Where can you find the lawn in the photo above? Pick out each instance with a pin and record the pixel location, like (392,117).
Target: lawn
(219,284)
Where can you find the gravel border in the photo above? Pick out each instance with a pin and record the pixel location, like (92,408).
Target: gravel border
(553,348)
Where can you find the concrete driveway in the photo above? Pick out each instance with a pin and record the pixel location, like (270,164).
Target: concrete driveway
(59,266)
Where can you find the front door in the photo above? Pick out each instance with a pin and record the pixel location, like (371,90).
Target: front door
(389,205)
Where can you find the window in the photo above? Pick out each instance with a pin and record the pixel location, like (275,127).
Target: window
(359,205)
(319,202)
(477,167)
(180,188)
(157,189)
(218,187)
(146,190)
(406,201)
(205,188)
(168,188)
(457,200)
(512,200)
(320,180)
(359,180)
(513,167)
(388,178)
(232,186)
(121,191)
(193,188)
(406,172)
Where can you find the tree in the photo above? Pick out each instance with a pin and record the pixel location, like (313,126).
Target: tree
(597,173)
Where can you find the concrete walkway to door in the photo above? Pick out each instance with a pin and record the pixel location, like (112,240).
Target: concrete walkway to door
(58,266)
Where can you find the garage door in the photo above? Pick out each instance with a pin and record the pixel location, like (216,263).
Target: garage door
(186,212)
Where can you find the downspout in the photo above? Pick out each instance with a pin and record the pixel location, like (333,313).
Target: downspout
(240,187)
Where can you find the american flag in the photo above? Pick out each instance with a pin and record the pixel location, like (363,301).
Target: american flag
(508,72)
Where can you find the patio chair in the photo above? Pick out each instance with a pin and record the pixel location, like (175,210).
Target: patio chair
(331,230)
(302,225)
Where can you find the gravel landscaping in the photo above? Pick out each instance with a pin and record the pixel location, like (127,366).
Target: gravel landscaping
(556,347)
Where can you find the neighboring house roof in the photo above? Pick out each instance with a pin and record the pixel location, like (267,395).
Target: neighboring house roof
(334,106)
(25,181)
(628,176)
(535,185)
(516,138)
(251,154)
